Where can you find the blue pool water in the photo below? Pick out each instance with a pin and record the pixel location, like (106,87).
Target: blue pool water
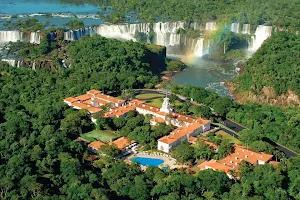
(154,162)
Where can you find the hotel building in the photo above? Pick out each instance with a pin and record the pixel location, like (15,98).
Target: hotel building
(186,126)
(232,161)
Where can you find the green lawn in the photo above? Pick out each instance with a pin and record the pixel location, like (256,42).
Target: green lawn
(102,135)
(155,102)
(229,137)
(146,96)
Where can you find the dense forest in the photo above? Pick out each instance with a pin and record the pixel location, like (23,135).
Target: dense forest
(40,159)
(264,122)
(277,12)
(275,64)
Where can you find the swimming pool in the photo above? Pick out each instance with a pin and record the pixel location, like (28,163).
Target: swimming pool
(154,162)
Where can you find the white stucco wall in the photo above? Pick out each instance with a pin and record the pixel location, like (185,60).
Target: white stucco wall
(163,147)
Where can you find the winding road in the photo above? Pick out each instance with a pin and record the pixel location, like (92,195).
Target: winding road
(237,128)
(231,125)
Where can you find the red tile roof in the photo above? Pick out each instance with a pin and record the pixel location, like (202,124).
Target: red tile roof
(148,107)
(108,98)
(83,97)
(136,101)
(213,164)
(96,145)
(274,163)
(179,133)
(119,111)
(242,153)
(70,99)
(93,92)
(232,161)
(87,107)
(123,142)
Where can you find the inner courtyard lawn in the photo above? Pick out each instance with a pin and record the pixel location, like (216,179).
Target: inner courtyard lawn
(102,135)
(225,135)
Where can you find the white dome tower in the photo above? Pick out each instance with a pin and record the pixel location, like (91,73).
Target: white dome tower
(166,108)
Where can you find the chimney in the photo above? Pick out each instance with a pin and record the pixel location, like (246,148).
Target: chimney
(246,156)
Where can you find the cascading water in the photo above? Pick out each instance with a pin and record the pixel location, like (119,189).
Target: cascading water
(235,27)
(123,31)
(19,63)
(210,26)
(116,31)
(246,29)
(35,37)
(199,48)
(72,35)
(166,33)
(11,62)
(33,65)
(10,36)
(197,26)
(261,34)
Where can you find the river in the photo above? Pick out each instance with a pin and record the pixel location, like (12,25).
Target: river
(200,73)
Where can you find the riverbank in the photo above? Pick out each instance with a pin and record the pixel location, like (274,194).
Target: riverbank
(168,75)
(241,98)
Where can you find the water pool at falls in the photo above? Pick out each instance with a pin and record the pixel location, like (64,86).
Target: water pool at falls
(207,74)
(201,73)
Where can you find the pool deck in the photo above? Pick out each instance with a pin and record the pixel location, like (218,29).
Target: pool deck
(168,162)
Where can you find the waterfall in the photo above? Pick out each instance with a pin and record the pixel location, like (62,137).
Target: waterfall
(166,33)
(10,36)
(196,26)
(35,37)
(19,63)
(210,26)
(174,39)
(235,27)
(78,33)
(199,48)
(68,35)
(11,62)
(123,31)
(141,28)
(246,29)
(117,31)
(261,34)
(33,65)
